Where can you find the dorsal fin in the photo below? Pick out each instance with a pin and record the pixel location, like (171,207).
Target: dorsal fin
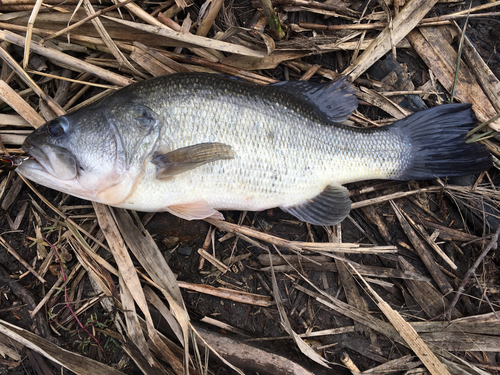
(335,100)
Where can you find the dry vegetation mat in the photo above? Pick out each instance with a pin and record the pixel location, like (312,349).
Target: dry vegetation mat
(408,283)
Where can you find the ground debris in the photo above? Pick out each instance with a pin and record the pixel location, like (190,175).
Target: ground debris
(408,282)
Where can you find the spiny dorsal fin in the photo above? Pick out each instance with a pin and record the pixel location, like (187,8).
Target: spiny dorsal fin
(190,157)
(329,207)
(336,100)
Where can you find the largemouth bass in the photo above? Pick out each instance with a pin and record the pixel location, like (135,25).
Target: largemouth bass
(193,144)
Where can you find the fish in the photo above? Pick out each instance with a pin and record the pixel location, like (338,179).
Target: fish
(194,144)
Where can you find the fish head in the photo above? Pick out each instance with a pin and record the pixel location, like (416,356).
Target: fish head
(96,153)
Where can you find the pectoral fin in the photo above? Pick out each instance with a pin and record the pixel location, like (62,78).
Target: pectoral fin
(329,207)
(190,157)
(194,211)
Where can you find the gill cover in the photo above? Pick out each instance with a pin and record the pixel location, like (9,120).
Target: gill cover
(136,129)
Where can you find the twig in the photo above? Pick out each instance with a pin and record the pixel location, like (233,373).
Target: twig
(72,80)
(435,21)
(402,24)
(408,333)
(66,297)
(471,271)
(29,32)
(196,40)
(14,100)
(215,262)
(11,251)
(190,59)
(4,55)
(209,17)
(360,26)
(388,197)
(485,296)
(347,361)
(28,299)
(423,252)
(482,125)
(71,62)
(298,245)
(459,56)
(65,217)
(233,295)
(86,19)
(463,12)
(272,19)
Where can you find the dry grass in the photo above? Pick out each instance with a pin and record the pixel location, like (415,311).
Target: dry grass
(67,47)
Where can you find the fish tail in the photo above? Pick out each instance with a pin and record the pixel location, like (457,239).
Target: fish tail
(438,148)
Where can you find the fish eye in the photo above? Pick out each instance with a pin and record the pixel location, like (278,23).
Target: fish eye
(57,127)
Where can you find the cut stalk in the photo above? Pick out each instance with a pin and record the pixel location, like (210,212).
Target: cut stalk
(272,19)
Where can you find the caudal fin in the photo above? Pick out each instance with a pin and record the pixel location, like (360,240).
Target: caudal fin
(437,136)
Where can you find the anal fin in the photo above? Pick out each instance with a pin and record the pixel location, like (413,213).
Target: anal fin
(194,211)
(329,207)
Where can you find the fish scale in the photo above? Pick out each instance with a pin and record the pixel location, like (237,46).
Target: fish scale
(192,144)
(307,153)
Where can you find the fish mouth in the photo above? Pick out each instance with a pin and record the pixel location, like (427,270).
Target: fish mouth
(58,162)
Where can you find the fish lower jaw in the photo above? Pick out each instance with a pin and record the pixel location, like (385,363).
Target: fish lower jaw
(32,164)
(34,171)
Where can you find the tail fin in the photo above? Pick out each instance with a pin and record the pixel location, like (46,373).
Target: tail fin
(437,136)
